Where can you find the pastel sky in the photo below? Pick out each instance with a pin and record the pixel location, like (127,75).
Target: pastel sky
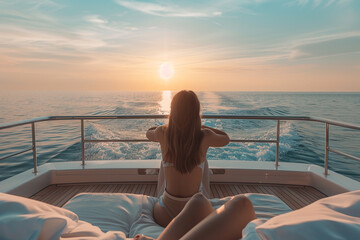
(232,45)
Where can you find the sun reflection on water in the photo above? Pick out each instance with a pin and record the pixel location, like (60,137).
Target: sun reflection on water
(164,104)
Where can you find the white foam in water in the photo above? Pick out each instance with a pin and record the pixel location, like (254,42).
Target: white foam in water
(304,147)
(288,141)
(234,151)
(122,150)
(258,151)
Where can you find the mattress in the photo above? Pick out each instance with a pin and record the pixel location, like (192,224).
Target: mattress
(121,216)
(133,213)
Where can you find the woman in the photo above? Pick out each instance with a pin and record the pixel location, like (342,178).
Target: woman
(184,143)
(198,220)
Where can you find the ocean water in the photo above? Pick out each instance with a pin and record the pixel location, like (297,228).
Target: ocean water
(300,141)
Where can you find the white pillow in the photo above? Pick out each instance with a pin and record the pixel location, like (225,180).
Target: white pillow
(146,225)
(86,231)
(108,211)
(23,218)
(11,204)
(336,217)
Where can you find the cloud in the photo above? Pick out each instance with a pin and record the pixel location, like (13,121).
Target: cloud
(314,46)
(108,30)
(44,4)
(296,53)
(31,32)
(192,9)
(103,39)
(95,19)
(165,10)
(317,3)
(328,45)
(131,28)
(42,39)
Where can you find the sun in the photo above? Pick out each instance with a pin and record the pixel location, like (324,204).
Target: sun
(166,71)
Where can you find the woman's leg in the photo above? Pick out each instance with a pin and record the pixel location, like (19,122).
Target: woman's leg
(194,211)
(143,237)
(161,216)
(227,222)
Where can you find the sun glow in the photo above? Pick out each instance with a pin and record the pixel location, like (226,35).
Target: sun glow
(165,102)
(166,71)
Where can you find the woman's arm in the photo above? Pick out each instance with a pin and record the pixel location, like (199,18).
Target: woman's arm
(156,134)
(217,131)
(151,134)
(214,137)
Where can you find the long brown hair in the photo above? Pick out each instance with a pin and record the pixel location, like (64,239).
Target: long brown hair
(184,132)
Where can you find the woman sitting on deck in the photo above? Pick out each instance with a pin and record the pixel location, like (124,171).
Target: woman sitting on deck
(198,220)
(184,143)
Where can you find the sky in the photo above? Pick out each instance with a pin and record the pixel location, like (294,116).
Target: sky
(231,45)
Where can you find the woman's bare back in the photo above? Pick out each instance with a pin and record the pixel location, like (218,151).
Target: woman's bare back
(186,185)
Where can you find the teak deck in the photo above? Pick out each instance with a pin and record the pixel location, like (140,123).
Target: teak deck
(293,195)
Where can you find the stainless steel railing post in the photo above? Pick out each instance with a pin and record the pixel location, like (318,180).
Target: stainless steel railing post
(34,147)
(277,143)
(326,160)
(82,143)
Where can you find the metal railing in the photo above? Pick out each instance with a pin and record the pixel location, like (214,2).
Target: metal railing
(274,118)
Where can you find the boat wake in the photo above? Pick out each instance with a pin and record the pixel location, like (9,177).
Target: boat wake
(299,141)
(145,150)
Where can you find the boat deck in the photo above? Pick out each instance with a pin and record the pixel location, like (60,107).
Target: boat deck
(294,196)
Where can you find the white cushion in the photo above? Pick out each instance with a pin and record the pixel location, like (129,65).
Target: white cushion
(23,218)
(110,211)
(336,217)
(84,230)
(133,214)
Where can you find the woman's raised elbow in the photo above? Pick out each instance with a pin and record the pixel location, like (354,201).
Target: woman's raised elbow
(151,135)
(227,140)
(148,134)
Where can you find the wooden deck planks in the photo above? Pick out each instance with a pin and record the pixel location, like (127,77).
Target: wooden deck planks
(294,196)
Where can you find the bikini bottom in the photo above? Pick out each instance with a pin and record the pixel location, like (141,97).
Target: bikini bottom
(172,204)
